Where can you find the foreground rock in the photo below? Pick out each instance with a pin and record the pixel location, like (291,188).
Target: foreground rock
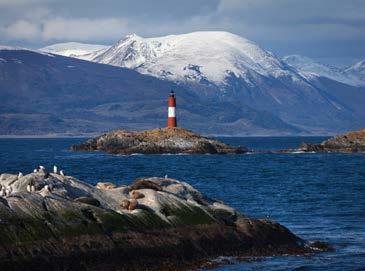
(152,224)
(156,141)
(350,142)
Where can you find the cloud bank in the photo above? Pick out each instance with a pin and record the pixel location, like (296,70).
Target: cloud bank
(315,28)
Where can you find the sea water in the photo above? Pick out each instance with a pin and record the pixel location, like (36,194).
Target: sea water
(317,196)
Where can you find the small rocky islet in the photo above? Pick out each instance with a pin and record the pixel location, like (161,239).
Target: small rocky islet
(157,141)
(350,142)
(49,221)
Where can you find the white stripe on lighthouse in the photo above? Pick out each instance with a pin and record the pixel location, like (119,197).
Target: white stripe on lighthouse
(171,112)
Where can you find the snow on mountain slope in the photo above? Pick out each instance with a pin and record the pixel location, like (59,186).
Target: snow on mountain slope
(16,48)
(309,68)
(358,69)
(198,56)
(74,49)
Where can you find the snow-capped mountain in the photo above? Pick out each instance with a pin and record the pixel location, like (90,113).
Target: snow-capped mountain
(310,68)
(226,68)
(74,49)
(198,56)
(226,85)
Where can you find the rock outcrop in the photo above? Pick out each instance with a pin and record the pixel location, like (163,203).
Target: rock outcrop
(349,142)
(156,141)
(152,224)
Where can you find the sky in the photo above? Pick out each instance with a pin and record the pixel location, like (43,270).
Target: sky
(331,31)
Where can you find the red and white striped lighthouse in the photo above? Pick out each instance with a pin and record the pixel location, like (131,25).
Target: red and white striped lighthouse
(171,120)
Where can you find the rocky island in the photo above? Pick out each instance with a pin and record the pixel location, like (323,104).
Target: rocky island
(49,221)
(349,142)
(156,141)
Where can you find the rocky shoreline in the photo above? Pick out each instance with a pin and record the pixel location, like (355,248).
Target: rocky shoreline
(349,143)
(157,141)
(49,221)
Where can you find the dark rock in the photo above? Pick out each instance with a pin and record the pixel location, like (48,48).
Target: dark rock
(322,246)
(88,200)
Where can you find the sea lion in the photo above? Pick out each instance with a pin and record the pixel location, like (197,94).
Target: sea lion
(145,184)
(125,204)
(132,204)
(136,194)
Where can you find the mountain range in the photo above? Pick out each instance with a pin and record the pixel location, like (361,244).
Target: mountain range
(225,84)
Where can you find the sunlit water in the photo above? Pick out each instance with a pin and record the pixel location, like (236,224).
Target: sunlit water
(317,196)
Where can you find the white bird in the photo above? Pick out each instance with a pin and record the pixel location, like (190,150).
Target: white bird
(62,173)
(29,188)
(55,169)
(166,176)
(46,187)
(32,188)
(20,175)
(35,170)
(42,167)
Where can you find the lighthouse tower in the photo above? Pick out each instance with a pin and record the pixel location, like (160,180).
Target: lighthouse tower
(171,120)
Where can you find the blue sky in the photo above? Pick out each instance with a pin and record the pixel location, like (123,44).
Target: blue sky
(327,30)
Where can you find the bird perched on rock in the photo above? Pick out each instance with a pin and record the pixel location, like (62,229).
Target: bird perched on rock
(42,167)
(62,173)
(29,188)
(35,170)
(166,176)
(20,175)
(55,170)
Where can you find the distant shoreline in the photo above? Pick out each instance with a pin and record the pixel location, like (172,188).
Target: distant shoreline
(209,135)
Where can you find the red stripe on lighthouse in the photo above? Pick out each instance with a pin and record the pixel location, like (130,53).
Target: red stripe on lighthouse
(171,117)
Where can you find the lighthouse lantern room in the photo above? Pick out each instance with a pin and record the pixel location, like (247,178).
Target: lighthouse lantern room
(171,118)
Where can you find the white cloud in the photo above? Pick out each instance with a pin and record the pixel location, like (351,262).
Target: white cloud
(23,30)
(83,29)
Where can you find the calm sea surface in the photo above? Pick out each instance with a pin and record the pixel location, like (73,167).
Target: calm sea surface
(317,196)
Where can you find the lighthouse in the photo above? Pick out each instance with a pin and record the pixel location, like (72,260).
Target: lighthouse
(171,118)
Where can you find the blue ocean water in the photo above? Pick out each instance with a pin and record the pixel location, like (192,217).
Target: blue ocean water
(317,196)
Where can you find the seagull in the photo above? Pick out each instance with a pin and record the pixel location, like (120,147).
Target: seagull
(35,170)
(32,188)
(29,189)
(166,176)
(42,167)
(62,173)
(55,169)
(20,175)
